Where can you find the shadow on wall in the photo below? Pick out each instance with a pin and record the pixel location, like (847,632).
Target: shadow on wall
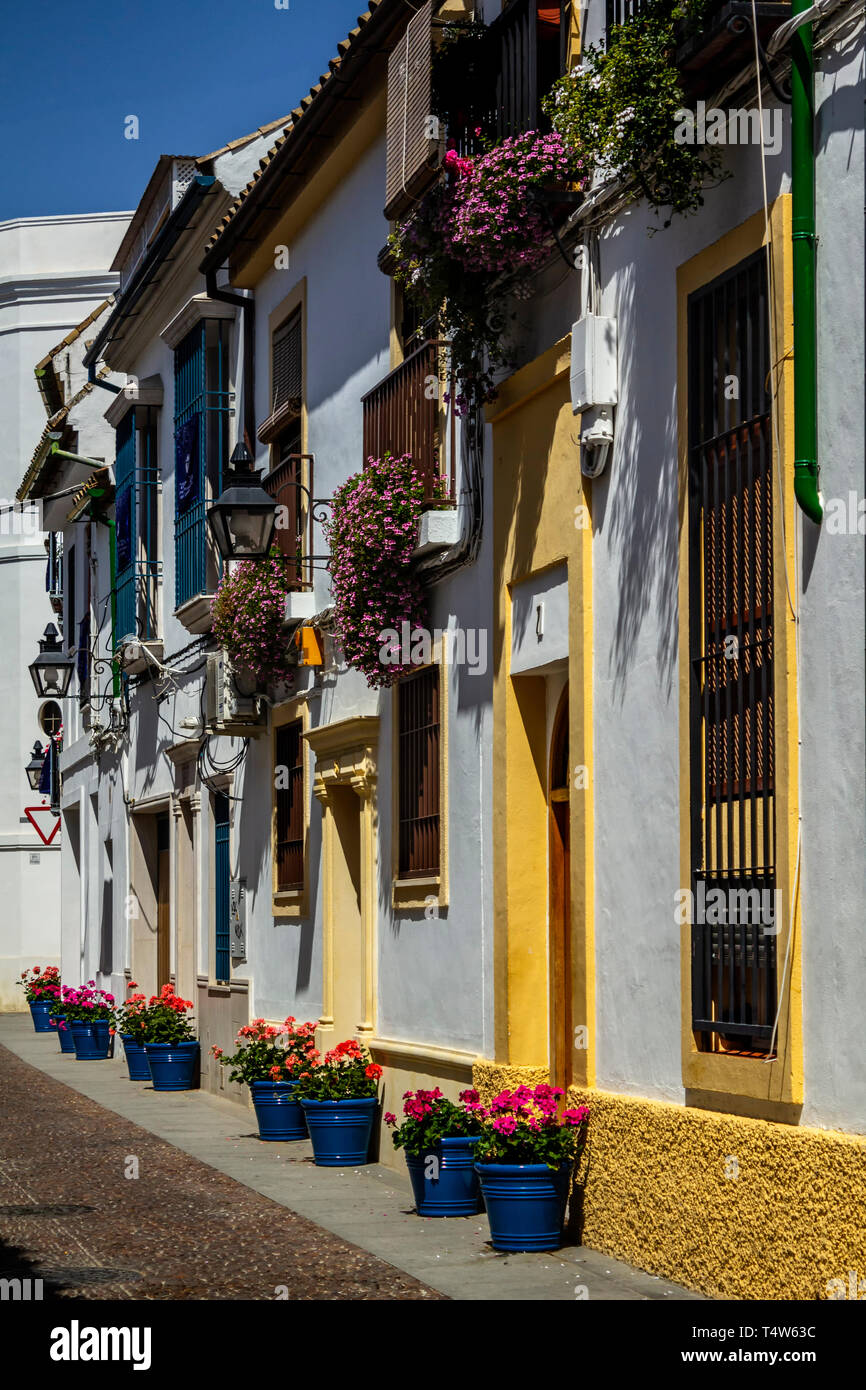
(636,507)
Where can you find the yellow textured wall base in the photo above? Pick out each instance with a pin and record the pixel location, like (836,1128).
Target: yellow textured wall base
(734,1207)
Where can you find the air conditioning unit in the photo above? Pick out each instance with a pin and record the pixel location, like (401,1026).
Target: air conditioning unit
(226,709)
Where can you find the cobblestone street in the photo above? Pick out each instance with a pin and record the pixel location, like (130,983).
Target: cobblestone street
(180,1230)
(216,1214)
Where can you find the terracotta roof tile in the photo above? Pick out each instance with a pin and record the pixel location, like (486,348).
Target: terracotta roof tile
(40,453)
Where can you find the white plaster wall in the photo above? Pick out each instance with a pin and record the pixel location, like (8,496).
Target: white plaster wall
(637,813)
(833,678)
(53,272)
(431,973)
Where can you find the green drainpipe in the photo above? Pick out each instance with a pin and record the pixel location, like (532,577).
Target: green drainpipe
(805,313)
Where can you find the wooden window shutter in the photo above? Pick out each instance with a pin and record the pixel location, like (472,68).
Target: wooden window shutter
(290,807)
(410,151)
(418,773)
(287,378)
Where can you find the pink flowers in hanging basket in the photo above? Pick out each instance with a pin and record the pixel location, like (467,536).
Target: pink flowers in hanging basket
(491,221)
(372,533)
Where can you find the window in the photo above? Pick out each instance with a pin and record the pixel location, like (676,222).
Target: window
(731,649)
(418,773)
(531,39)
(283,431)
(54,571)
(137,522)
(202,406)
(71,612)
(50,718)
(289,810)
(222,880)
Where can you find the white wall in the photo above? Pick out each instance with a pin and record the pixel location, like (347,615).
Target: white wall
(53,272)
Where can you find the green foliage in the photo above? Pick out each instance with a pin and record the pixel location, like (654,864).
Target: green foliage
(468,315)
(619,107)
(270,1052)
(347,1073)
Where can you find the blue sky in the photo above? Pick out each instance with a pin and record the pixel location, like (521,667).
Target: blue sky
(196,73)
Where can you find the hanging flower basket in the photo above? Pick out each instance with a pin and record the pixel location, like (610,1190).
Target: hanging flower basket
(248,615)
(372,533)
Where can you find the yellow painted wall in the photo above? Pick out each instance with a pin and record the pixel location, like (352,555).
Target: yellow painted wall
(655,1192)
(541,518)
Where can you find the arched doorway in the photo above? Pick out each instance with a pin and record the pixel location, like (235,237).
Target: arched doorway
(561,1043)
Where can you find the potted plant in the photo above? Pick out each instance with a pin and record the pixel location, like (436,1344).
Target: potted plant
(57,1021)
(130,1026)
(525,1157)
(88,1013)
(41,989)
(169,1040)
(339,1097)
(438,1138)
(269,1058)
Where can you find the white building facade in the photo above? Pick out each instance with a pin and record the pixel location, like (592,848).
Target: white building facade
(53,274)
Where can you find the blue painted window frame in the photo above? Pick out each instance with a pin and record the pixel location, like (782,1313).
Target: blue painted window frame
(137,478)
(201,388)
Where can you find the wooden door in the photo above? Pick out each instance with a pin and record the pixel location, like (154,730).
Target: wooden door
(561,1046)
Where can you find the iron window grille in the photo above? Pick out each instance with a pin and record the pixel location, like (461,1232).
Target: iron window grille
(731,650)
(289,807)
(418,773)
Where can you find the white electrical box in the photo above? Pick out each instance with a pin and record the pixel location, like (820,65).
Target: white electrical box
(593,362)
(238,918)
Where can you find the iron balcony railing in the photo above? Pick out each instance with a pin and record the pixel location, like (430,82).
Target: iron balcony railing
(405,414)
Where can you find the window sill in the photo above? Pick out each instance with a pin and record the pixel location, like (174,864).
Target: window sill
(418,892)
(290,905)
(195,614)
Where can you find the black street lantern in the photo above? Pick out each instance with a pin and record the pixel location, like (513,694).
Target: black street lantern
(34,767)
(52,669)
(244,517)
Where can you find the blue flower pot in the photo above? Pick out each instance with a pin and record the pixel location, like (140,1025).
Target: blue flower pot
(136,1059)
(444,1180)
(340,1130)
(525,1204)
(279,1115)
(39,1014)
(172,1065)
(91,1039)
(64,1033)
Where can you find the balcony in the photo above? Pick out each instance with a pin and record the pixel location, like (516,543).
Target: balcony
(404,414)
(290,484)
(708,56)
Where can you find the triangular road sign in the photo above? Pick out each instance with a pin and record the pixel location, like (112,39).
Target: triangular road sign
(31,812)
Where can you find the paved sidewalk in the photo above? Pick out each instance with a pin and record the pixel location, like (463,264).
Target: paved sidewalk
(370,1207)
